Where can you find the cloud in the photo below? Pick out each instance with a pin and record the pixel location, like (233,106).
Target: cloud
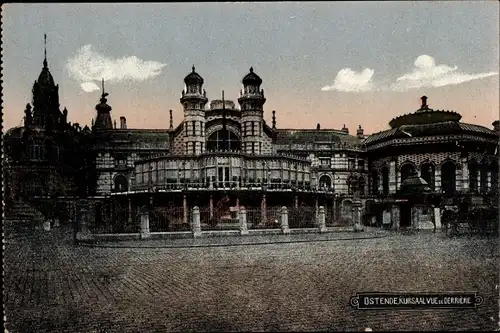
(88,66)
(348,80)
(89,86)
(427,74)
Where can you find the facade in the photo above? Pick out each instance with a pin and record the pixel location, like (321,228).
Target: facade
(221,153)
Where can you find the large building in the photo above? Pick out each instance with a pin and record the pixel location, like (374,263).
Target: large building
(225,154)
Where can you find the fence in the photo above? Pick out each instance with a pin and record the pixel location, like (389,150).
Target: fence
(162,219)
(302,217)
(333,221)
(269,219)
(219,218)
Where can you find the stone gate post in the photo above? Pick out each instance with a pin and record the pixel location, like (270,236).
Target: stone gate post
(321,219)
(196,222)
(242,217)
(145,224)
(284,220)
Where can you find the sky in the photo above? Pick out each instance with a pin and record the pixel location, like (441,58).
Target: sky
(332,63)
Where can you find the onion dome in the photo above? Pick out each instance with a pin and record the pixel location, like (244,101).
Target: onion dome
(193,78)
(252,78)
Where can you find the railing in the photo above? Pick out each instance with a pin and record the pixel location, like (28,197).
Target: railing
(162,219)
(302,217)
(219,218)
(264,219)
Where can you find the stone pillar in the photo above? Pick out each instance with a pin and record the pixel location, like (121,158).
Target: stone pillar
(242,217)
(263,210)
(437,217)
(415,217)
(357,215)
(284,220)
(296,204)
(196,222)
(129,210)
(211,207)
(322,219)
(395,218)
(185,209)
(392,177)
(145,224)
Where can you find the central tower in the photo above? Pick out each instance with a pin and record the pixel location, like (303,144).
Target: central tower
(193,101)
(252,112)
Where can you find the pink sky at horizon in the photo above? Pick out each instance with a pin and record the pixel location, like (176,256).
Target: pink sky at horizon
(477,101)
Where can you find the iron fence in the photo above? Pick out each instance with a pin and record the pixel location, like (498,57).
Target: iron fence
(219,218)
(332,220)
(270,218)
(302,217)
(169,219)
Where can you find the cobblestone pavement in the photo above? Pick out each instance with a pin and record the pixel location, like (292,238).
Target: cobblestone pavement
(53,286)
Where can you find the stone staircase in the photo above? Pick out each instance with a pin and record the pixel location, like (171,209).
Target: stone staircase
(21,211)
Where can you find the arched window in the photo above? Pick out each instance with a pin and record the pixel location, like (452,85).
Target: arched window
(448,177)
(494,176)
(484,178)
(473,175)
(406,171)
(427,173)
(121,183)
(374,182)
(385,180)
(223,140)
(325,182)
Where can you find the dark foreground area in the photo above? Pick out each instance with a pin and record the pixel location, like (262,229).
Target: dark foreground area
(52,286)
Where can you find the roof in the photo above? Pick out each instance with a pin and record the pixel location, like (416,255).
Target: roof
(420,130)
(301,136)
(193,77)
(252,78)
(14,133)
(45,78)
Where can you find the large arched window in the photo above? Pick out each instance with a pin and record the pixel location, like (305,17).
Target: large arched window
(448,177)
(325,182)
(385,180)
(406,171)
(223,140)
(427,173)
(374,182)
(121,183)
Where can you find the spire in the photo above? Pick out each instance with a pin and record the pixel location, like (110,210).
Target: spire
(45,51)
(171,120)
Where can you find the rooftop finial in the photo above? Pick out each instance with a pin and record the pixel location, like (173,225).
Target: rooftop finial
(424,102)
(103,86)
(45,50)
(171,120)
(251,69)
(193,68)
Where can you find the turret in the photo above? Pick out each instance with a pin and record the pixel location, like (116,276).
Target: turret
(103,119)
(252,112)
(345,129)
(360,133)
(193,101)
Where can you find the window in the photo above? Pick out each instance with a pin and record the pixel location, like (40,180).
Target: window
(351,164)
(448,177)
(325,182)
(325,162)
(473,175)
(223,140)
(427,173)
(385,180)
(361,164)
(374,182)
(406,171)
(121,183)
(253,127)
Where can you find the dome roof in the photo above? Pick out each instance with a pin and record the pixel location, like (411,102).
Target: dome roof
(45,78)
(193,77)
(252,78)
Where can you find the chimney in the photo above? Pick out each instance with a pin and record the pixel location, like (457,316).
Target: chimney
(274,119)
(345,130)
(496,126)
(171,120)
(318,127)
(123,123)
(360,133)
(424,102)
